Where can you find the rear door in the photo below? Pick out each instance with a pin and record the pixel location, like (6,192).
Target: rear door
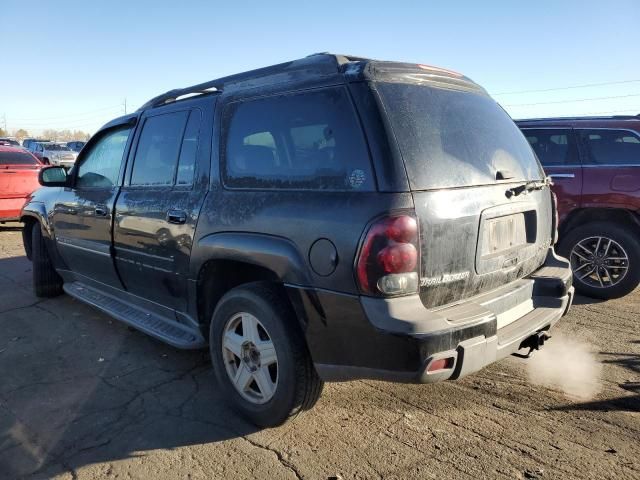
(467,165)
(83,214)
(157,210)
(611,159)
(557,150)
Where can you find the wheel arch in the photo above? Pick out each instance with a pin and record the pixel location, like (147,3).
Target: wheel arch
(588,215)
(228,260)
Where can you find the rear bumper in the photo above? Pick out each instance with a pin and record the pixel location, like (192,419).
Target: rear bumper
(10,208)
(354,337)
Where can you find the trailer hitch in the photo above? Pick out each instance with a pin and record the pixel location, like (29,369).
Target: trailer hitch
(534,342)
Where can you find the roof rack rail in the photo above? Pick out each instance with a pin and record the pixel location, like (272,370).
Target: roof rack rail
(327,60)
(600,117)
(173,95)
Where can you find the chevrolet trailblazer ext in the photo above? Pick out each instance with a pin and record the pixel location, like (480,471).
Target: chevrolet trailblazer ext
(329,218)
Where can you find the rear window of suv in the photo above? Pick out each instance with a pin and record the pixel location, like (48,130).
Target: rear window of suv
(17,158)
(305,140)
(455,138)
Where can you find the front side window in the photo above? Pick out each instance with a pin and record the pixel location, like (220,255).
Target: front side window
(156,157)
(611,147)
(554,147)
(309,140)
(101,164)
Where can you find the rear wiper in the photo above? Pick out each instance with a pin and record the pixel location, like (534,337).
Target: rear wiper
(529,187)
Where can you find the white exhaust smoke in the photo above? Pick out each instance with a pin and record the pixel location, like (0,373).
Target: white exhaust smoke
(567,365)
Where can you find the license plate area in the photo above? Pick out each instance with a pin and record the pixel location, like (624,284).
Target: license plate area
(507,237)
(504,233)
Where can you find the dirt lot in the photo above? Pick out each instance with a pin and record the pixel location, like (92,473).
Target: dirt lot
(82,396)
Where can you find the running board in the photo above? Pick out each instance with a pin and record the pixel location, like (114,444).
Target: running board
(171,332)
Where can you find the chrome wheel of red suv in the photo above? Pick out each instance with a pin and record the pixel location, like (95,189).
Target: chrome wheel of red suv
(599,262)
(605,258)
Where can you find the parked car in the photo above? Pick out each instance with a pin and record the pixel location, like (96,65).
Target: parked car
(595,166)
(76,146)
(54,154)
(307,223)
(18,179)
(27,142)
(9,141)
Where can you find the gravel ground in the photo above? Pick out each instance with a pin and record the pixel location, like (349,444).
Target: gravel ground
(83,396)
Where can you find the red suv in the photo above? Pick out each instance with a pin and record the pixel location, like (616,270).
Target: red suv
(595,166)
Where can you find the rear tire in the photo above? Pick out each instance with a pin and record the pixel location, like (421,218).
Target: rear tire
(625,274)
(46,281)
(293,384)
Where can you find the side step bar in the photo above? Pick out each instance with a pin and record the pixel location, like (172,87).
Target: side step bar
(171,332)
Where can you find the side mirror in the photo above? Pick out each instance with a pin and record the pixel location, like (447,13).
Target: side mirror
(53,177)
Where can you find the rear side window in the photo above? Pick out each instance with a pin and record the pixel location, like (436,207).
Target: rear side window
(309,140)
(455,138)
(554,147)
(158,148)
(17,158)
(611,147)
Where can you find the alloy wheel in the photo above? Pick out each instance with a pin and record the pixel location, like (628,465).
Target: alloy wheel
(250,358)
(599,262)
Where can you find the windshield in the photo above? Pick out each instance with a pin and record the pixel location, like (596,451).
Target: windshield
(17,158)
(55,147)
(453,138)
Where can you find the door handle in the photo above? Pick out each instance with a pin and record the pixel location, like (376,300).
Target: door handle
(562,175)
(176,216)
(101,211)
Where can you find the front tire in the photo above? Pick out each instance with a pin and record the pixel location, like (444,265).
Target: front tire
(46,281)
(259,356)
(605,259)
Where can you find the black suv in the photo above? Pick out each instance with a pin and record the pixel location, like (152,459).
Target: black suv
(329,218)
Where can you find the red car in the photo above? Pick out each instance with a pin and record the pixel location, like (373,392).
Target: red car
(18,178)
(594,163)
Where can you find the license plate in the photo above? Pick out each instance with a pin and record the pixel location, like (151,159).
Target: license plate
(504,233)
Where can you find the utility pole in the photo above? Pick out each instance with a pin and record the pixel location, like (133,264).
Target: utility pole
(4,121)
(125,105)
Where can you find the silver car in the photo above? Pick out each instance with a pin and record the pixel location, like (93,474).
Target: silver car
(54,154)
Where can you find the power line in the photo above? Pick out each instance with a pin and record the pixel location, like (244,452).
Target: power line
(571,101)
(586,85)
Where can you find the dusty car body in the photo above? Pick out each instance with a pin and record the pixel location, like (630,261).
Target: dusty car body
(306,223)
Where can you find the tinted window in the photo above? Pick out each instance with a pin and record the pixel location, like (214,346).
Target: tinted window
(57,148)
(553,146)
(611,147)
(100,166)
(453,138)
(308,140)
(157,153)
(16,158)
(187,160)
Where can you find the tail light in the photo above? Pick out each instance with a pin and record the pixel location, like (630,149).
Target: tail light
(388,261)
(554,219)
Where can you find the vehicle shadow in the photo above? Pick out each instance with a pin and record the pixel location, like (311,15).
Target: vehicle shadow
(10,227)
(629,361)
(79,388)
(582,300)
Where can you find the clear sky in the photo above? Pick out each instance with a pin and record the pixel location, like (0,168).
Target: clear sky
(71,64)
